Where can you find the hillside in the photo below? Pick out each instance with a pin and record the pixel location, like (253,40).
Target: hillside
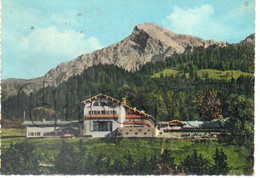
(148,42)
(210,73)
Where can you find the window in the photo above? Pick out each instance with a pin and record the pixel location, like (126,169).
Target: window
(46,134)
(145,133)
(112,112)
(126,133)
(30,134)
(103,112)
(38,133)
(52,133)
(102,126)
(103,104)
(109,103)
(96,112)
(89,112)
(96,104)
(136,133)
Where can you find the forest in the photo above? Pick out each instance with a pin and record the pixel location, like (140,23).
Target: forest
(184,94)
(135,156)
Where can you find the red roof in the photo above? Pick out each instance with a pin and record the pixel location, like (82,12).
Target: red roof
(134,110)
(137,123)
(176,123)
(133,116)
(101,115)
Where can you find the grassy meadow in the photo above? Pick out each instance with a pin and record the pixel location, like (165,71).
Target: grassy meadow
(212,73)
(48,148)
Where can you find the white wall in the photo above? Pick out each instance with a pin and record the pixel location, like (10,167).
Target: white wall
(139,132)
(88,123)
(39,129)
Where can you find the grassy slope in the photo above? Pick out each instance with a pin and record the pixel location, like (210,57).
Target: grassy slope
(13,132)
(166,72)
(214,74)
(48,148)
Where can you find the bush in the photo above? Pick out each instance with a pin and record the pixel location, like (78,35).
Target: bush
(20,159)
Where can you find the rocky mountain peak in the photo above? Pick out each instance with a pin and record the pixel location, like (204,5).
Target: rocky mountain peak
(153,30)
(147,43)
(249,39)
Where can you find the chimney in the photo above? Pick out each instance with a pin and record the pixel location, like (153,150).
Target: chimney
(124,101)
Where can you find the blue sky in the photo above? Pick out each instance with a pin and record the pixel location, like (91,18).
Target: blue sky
(37,35)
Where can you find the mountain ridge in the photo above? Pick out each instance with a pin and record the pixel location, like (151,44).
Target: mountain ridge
(147,43)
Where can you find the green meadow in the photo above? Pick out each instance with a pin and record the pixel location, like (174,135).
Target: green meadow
(212,73)
(48,148)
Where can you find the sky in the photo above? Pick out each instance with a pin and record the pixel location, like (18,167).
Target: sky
(38,35)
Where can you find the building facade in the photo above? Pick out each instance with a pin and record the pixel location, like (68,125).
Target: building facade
(104,114)
(52,128)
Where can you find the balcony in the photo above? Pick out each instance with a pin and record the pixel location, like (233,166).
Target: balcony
(113,116)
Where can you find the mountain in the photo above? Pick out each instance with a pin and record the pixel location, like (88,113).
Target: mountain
(249,39)
(10,87)
(148,42)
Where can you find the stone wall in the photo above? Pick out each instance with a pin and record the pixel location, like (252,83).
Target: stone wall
(139,131)
(190,135)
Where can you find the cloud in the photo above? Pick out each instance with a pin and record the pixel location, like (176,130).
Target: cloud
(189,20)
(93,43)
(204,22)
(63,44)
(43,49)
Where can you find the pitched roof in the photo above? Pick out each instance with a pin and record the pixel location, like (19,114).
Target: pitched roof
(176,122)
(41,123)
(119,102)
(204,124)
(100,94)
(138,123)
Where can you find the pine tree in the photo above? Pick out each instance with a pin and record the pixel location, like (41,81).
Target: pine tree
(65,162)
(220,166)
(195,164)
(166,164)
(80,158)
(20,159)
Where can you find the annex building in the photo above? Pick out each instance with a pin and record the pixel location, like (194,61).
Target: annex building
(102,115)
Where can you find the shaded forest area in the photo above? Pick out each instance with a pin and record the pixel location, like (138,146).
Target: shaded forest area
(128,157)
(165,97)
(179,96)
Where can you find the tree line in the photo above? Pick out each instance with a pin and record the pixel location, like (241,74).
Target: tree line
(232,57)
(168,97)
(74,159)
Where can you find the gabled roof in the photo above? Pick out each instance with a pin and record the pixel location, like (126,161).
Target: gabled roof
(205,124)
(137,123)
(119,102)
(44,123)
(176,122)
(98,95)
